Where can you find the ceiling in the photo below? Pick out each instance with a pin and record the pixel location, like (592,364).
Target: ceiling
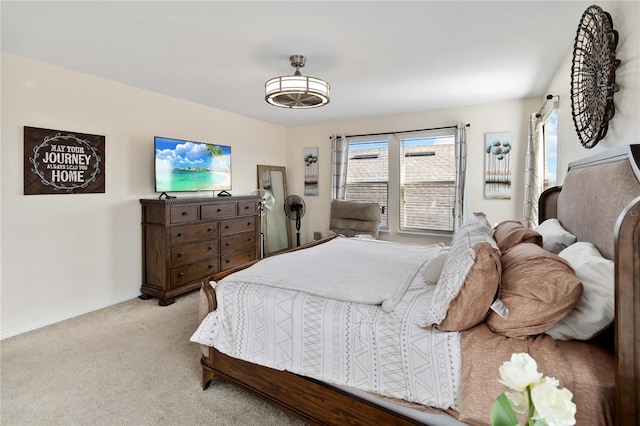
(381,57)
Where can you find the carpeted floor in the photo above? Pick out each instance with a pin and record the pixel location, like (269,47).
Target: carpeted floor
(129,364)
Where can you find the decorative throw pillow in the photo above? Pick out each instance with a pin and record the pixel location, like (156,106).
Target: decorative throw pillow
(538,288)
(433,266)
(511,232)
(478,219)
(554,237)
(595,310)
(460,264)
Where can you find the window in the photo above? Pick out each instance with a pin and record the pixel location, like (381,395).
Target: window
(414,171)
(550,144)
(368,174)
(427,183)
(541,162)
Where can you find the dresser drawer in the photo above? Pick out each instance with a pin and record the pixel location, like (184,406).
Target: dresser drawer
(189,253)
(237,243)
(234,226)
(193,233)
(193,272)
(217,211)
(247,207)
(237,259)
(181,214)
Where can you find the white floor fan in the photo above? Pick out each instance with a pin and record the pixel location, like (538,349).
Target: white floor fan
(265,205)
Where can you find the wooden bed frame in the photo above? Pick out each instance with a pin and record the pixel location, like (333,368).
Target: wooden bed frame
(320,403)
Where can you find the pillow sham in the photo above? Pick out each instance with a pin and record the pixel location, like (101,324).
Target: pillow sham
(511,232)
(554,237)
(433,266)
(595,310)
(538,288)
(478,291)
(459,271)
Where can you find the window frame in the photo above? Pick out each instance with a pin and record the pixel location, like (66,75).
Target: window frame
(392,210)
(449,133)
(363,141)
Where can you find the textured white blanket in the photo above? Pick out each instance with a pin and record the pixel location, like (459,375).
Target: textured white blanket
(371,272)
(349,344)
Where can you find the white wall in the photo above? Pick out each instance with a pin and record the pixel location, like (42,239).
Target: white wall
(509,116)
(624,128)
(66,254)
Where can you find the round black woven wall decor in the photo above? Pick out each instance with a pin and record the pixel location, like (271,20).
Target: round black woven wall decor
(593,75)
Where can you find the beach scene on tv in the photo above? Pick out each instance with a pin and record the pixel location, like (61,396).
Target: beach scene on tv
(191,166)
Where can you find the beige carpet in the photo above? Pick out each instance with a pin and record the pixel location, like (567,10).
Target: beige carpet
(129,364)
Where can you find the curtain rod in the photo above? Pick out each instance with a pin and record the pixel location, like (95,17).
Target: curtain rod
(401,131)
(547,99)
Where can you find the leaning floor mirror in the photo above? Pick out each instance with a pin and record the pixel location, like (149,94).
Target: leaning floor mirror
(275,229)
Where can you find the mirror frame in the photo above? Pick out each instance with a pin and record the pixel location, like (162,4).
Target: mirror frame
(278,208)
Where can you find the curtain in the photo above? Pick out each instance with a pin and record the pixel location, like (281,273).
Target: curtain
(461,172)
(533,171)
(339,162)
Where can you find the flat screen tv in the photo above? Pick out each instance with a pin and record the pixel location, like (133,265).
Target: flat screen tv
(185,166)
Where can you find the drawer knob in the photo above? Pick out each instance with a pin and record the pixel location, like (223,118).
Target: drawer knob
(180,234)
(181,274)
(227,260)
(246,207)
(184,213)
(226,227)
(210,247)
(180,254)
(210,266)
(249,239)
(210,229)
(249,223)
(219,210)
(228,244)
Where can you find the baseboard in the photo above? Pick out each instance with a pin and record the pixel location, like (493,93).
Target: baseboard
(34,325)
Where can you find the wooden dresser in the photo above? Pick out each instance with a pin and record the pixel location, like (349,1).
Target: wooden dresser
(187,239)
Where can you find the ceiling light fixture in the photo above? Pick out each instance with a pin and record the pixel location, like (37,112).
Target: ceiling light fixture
(297,91)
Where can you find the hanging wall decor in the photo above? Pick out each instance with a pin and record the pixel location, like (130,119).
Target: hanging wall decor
(62,162)
(497,166)
(311,171)
(593,76)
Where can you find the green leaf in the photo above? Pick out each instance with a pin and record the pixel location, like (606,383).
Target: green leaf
(501,412)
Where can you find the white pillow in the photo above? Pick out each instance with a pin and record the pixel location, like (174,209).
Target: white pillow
(554,237)
(595,309)
(433,266)
(364,237)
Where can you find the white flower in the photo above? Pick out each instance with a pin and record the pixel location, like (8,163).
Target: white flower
(520,372)
(553,405)
(519,401)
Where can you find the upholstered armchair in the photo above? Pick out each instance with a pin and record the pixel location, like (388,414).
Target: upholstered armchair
(352,218)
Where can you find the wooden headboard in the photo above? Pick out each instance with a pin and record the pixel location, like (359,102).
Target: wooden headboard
(599,202)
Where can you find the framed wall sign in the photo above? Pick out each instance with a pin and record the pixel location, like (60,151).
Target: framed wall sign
(63,162)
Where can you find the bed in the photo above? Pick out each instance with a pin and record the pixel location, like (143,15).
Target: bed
(598,204)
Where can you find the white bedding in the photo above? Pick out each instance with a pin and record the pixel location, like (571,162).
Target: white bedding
(360,271)
(345,343)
